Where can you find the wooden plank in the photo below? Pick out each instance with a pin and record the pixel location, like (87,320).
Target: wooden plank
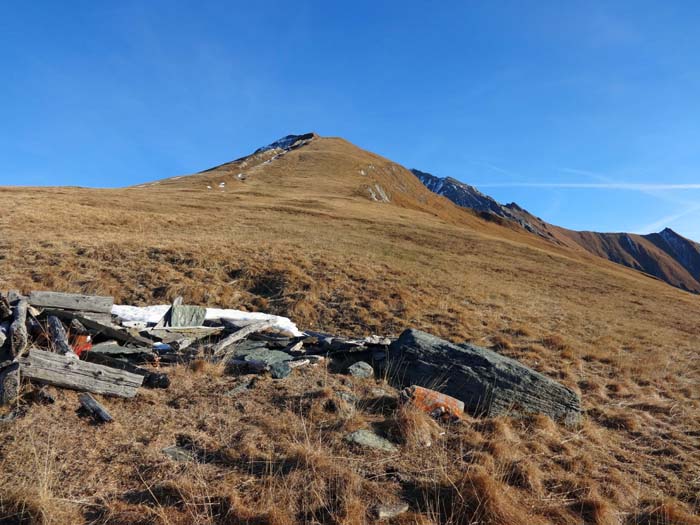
(18,329)
(220,348)
(69,372)
(112,332)
(150,379)
(94,408)
(59,338)
(69,315)
(88,303)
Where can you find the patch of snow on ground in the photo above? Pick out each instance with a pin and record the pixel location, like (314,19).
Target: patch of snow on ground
(222,185)
(153,314)
(208,187)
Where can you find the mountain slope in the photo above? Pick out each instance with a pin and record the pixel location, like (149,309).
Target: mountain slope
(299,234)
(666,255)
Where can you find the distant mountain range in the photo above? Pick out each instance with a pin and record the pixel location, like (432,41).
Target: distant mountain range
(666,255)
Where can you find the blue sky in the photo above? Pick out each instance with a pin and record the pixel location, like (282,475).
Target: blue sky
(586,113)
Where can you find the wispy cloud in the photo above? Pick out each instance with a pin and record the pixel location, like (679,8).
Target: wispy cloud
(592,185)
(669,219)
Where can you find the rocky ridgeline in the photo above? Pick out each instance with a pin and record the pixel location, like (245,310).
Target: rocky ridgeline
(86,343)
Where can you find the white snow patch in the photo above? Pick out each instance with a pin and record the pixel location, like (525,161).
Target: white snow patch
(222,185)
(153,314)
(208,187)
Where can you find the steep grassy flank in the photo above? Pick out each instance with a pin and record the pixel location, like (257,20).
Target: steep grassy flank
(301,236)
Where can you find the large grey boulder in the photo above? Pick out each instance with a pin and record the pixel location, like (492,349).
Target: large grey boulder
(488,383)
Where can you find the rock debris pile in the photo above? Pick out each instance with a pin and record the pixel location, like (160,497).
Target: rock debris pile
(89,344)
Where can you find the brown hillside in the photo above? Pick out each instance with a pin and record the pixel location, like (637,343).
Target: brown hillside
(302,236)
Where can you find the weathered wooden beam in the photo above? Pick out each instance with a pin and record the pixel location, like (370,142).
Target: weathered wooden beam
(94,408)
(69,301)
(220,348)
(58,336)
(150,379)
(18,329)
(69,372)
(111,332)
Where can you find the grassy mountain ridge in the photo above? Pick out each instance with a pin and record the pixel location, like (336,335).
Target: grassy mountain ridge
(666,255)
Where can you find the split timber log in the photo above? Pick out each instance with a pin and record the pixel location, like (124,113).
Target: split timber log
(221,348)
(70,315)
(94,408)
(488,383)
(58,335)
(150,379)
(69,372)
(104,329)
(68,301)
(18,329)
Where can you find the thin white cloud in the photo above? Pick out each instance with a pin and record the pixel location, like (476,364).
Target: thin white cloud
(595,186)
(669,219)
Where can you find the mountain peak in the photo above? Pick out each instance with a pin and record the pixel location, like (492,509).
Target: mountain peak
(289,142)
(669,232)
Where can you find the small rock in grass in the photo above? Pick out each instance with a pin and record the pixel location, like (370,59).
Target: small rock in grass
(386,512)
(179,454)
(361,369)
(346,396)
(367,438)
(280,370)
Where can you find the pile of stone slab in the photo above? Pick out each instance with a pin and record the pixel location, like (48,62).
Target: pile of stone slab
(89,344)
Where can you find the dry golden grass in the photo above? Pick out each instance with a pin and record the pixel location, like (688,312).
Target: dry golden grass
(300,237)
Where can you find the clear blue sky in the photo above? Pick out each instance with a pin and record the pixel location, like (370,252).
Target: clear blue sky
(533,102)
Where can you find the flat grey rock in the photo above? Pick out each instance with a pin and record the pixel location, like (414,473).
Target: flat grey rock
(346,396)
(368,439)
(386,512)
(262,355)
(488,383)
(179,454)
(182,315)
(280,370)
(361,369)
